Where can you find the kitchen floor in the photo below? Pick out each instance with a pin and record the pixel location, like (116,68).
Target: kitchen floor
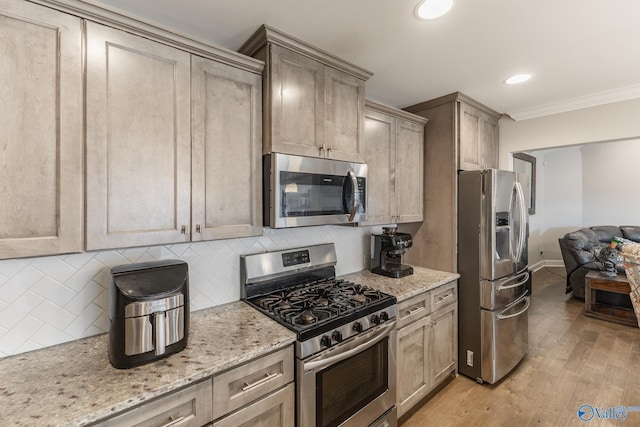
(573,360)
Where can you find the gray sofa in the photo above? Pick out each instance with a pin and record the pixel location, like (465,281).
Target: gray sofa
(578,252)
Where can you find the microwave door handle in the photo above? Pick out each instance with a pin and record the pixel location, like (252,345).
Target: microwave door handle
(356,202)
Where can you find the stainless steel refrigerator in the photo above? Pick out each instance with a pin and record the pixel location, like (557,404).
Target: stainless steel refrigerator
(493,325)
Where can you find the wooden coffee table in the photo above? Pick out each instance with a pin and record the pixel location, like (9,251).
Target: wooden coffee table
(595,281)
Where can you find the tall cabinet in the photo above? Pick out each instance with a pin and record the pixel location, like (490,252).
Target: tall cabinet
(313,101)
(41,202)
(462,135)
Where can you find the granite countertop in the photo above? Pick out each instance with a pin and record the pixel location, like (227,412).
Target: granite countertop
(74,384)
(403,288)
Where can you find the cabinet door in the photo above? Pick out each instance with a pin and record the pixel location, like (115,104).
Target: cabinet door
(470,157)
(409,172)
(443,344)
(297,103)
(138,141)
(275,410)
(478,139)
(40,131)
(413,373)
(226,151)
(489,141)
(380,137)
(344,115)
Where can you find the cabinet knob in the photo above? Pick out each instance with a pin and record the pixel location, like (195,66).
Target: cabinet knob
(197,228)
(183,229)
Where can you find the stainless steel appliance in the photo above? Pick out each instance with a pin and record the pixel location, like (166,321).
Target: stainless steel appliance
(492,261)
(149,312)
(387,250)
(346,347)
(301,191)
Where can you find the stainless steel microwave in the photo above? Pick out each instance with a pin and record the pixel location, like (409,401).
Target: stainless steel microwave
(301,191)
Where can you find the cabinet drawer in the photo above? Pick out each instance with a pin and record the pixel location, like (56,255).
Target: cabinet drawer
(275,410)
(413,309)
(444,295)
(185,408)
(248,382)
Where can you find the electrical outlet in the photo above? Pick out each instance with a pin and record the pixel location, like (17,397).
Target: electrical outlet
(469,358)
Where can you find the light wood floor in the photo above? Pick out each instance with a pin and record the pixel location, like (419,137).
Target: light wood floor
(572,360)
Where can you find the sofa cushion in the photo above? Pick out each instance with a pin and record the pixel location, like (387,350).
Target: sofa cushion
(607,232)
(581,244)
(631,232)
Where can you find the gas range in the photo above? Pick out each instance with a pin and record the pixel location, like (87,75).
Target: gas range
(346,346)
(298,289)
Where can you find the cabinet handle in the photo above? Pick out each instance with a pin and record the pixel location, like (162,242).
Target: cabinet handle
(268,377)
(445,296)
(414,310)
(197,228)
(183,229)
(173,422)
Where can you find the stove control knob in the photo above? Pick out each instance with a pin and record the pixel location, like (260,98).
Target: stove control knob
(375,319)
(325,341)
(357,327)
(337,336)
(384,316)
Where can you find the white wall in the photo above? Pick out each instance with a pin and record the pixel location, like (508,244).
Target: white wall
(576,155)
(610,177)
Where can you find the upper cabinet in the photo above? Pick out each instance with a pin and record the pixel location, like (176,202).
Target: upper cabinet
(478,138)
(138,141)
(313,101)
(41,131)
(226,157)
(173,144)
(465,126)
(395,156)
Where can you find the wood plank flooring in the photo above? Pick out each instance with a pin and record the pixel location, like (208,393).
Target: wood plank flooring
(572,360)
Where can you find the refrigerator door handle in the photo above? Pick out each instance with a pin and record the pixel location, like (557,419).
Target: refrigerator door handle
(522,232)
(502,316)
(524,276)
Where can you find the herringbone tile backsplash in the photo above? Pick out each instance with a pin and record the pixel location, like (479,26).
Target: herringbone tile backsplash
(51,300)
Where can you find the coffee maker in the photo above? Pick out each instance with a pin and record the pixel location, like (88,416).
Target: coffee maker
(149,312)
(387,250)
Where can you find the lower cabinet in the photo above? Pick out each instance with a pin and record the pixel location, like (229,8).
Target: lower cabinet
(426,343)
(190,406)
(260,392)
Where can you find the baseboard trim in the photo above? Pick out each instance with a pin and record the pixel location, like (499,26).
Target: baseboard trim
(546,263)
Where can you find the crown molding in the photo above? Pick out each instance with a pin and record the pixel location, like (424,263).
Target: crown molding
(593,100)
(96,12)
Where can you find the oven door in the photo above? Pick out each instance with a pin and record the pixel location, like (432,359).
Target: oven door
(349,384)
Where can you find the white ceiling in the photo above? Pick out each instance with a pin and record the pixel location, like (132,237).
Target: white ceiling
(581,52)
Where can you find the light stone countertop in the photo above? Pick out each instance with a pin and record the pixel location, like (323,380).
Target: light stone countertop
(74,384)
(422,280)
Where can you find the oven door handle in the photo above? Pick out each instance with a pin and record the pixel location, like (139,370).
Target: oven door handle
(373,340)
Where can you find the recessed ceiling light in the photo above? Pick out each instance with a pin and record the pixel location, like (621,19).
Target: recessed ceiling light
(432,9)
(518,78)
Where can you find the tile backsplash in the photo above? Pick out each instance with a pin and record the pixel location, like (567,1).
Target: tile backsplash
(50,300)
